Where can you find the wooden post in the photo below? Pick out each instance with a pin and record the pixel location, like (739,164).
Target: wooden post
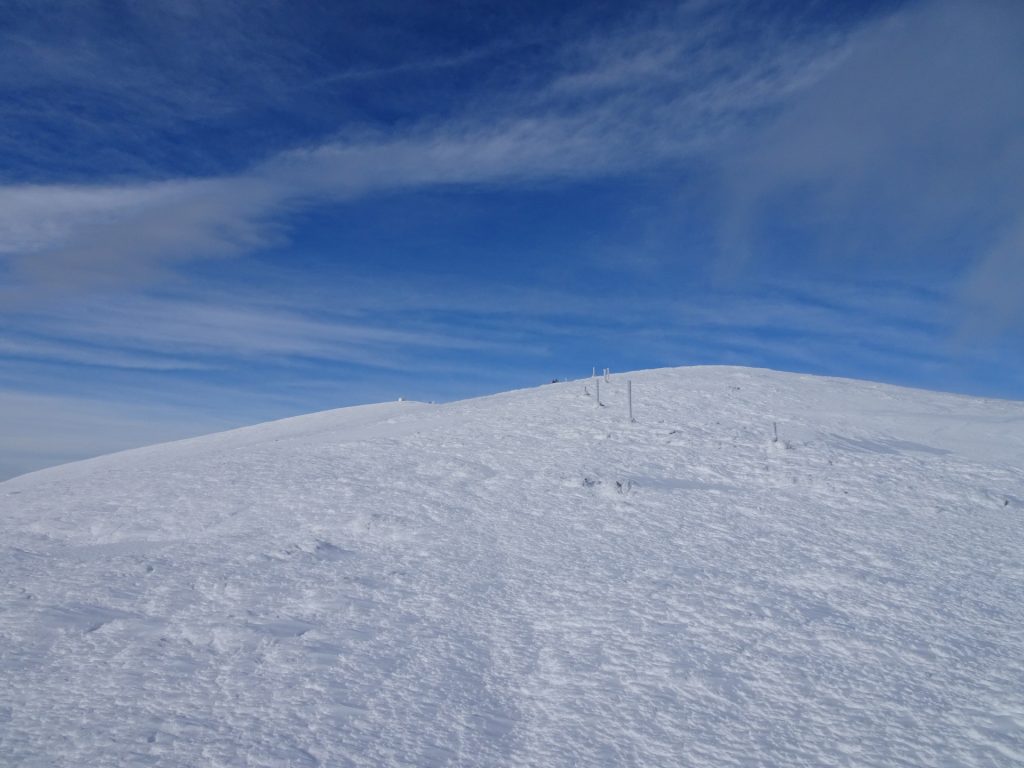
(597,383)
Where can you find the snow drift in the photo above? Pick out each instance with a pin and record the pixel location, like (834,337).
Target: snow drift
(531,579)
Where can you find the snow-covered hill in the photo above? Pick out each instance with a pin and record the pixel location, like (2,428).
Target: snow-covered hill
(530,579)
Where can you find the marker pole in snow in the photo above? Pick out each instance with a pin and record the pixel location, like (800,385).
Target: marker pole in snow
(597,383)
(629,397)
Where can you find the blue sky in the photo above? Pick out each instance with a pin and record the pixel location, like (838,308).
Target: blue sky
(217,213)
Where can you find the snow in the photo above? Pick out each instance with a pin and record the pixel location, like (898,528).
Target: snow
(531,579)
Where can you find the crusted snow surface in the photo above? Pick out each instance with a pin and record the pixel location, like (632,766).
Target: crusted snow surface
(531,579)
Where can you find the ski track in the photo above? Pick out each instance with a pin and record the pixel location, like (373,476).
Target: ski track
(528,579)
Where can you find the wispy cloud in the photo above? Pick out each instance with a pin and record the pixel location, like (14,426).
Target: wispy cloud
(907,152)
(625,110)
(199,330)
(894,139)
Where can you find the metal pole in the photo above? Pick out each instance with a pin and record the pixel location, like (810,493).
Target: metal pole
(629,396)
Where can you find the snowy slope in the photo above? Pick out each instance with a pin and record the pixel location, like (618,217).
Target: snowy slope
(529,579)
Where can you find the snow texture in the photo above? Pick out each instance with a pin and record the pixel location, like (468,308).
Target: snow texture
(531,579)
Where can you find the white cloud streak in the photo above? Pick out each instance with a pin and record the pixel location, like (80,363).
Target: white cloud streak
(907,152)
(894,124)
(615,106)
(905,130)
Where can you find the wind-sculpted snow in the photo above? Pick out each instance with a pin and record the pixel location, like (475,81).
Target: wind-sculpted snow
(530,579)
